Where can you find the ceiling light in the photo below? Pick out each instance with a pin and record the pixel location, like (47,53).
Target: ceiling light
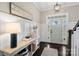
(57,7)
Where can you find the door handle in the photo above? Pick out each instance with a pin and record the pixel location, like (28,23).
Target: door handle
(64,38)
(48,37)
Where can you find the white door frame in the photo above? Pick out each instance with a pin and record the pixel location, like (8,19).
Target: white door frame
(59,14)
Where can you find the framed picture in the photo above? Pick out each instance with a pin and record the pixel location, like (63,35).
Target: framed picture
(18,11)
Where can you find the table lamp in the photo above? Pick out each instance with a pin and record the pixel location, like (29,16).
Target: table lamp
(12,28)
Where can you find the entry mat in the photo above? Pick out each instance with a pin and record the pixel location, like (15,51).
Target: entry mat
(49,52)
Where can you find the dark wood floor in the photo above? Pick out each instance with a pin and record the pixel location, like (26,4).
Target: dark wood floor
(52,45)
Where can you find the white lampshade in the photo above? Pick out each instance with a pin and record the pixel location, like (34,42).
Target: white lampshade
(12,28)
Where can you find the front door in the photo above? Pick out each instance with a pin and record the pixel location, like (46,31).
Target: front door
(57,29)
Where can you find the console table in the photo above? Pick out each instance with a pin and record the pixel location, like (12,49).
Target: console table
(24,43)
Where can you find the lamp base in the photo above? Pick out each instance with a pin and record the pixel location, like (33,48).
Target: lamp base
(13,40)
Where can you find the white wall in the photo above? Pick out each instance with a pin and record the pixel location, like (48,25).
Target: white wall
(44,33)
(73,12)
(72,24)
(4,6)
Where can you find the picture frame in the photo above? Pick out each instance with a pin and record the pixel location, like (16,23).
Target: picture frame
(18,11)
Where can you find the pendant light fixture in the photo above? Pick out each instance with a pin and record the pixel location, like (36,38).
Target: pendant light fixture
(57,7)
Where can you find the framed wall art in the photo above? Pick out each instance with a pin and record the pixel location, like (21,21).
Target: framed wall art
(18,11)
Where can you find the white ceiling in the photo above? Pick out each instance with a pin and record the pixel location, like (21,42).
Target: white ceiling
(45,6)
